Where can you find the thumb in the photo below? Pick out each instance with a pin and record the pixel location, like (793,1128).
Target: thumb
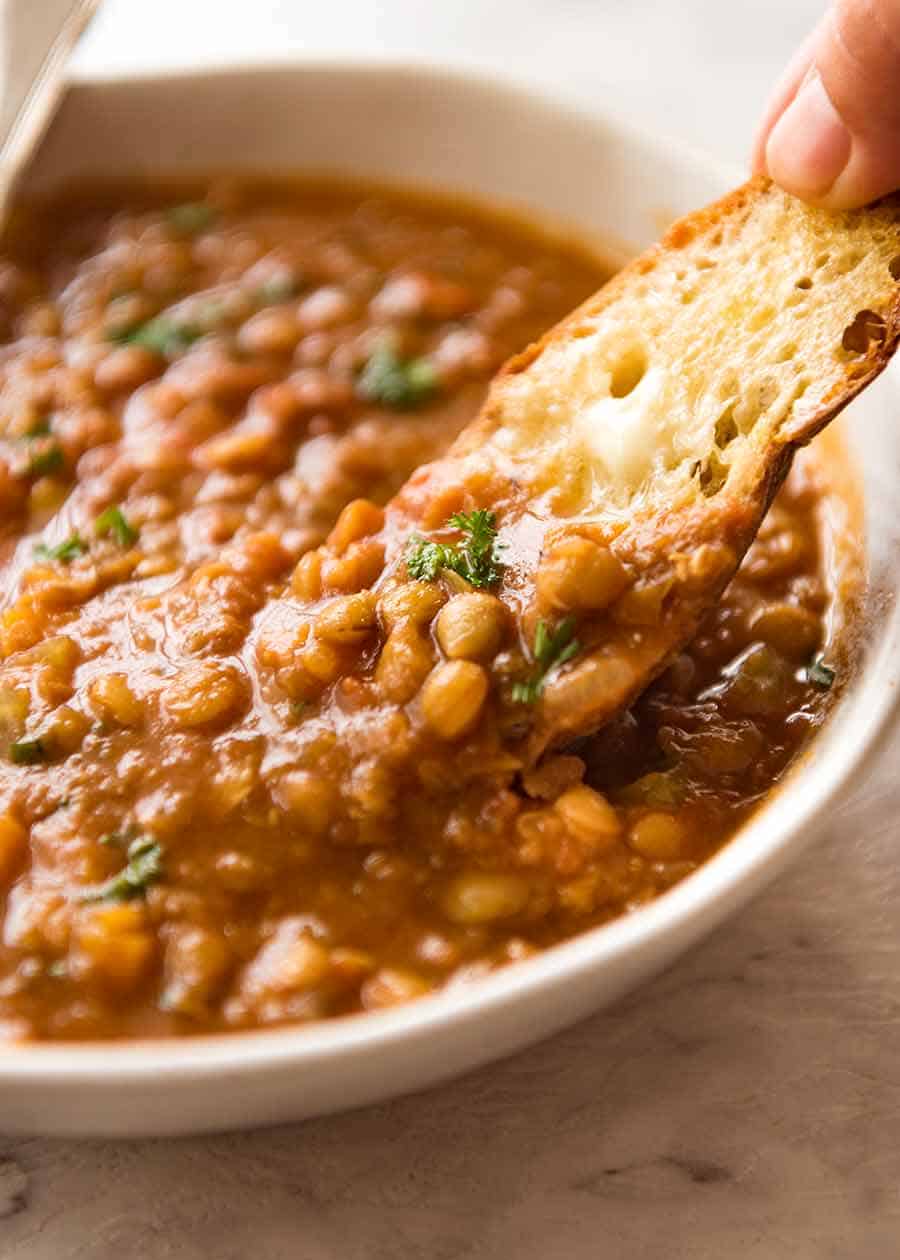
(835,140)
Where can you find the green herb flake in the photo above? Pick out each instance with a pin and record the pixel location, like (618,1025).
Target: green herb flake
(27,752)
(143,868)
(162,335)
(65,552)
(113,521)
(425,559)
(820,675)
(58,969)
(40,428)
(552,649)
(476,557)
(120,839)
(191,218)
(480,548)
(401,384)
(42,459)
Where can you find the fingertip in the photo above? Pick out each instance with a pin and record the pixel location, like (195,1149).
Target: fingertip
(809,147)
(851,192)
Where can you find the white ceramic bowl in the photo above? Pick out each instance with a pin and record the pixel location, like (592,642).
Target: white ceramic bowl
(502,144)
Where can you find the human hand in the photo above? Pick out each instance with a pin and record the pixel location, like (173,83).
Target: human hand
(831,131)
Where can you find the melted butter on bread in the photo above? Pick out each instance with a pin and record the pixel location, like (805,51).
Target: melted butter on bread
(727,338)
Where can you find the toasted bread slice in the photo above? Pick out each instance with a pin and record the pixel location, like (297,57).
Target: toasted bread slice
(658,421)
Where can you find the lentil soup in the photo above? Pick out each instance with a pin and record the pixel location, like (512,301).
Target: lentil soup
(247,777)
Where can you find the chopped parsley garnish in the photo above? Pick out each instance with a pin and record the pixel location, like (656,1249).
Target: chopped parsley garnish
(65,552)
(120,839)
(27,752)
(401,384)
(143,868)
(164,336)
(191,218)
(820,675)
(552,648)
(113,521)
(475,557)
(43,458)
(424,559)
(40,428)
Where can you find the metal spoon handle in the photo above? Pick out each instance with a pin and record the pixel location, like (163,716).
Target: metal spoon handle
(36,37)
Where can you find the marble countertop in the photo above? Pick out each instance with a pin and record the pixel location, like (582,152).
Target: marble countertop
(744,1106)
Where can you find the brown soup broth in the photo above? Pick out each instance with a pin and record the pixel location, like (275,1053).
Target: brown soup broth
(199,385)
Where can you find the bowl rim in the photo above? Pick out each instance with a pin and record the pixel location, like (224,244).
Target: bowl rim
(782,826)
(499,79)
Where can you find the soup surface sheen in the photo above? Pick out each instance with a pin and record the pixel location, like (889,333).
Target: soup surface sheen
(220,810)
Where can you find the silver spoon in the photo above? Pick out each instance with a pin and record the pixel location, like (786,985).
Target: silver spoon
(36,39)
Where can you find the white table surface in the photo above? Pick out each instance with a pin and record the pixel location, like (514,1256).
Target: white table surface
(745,1106)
